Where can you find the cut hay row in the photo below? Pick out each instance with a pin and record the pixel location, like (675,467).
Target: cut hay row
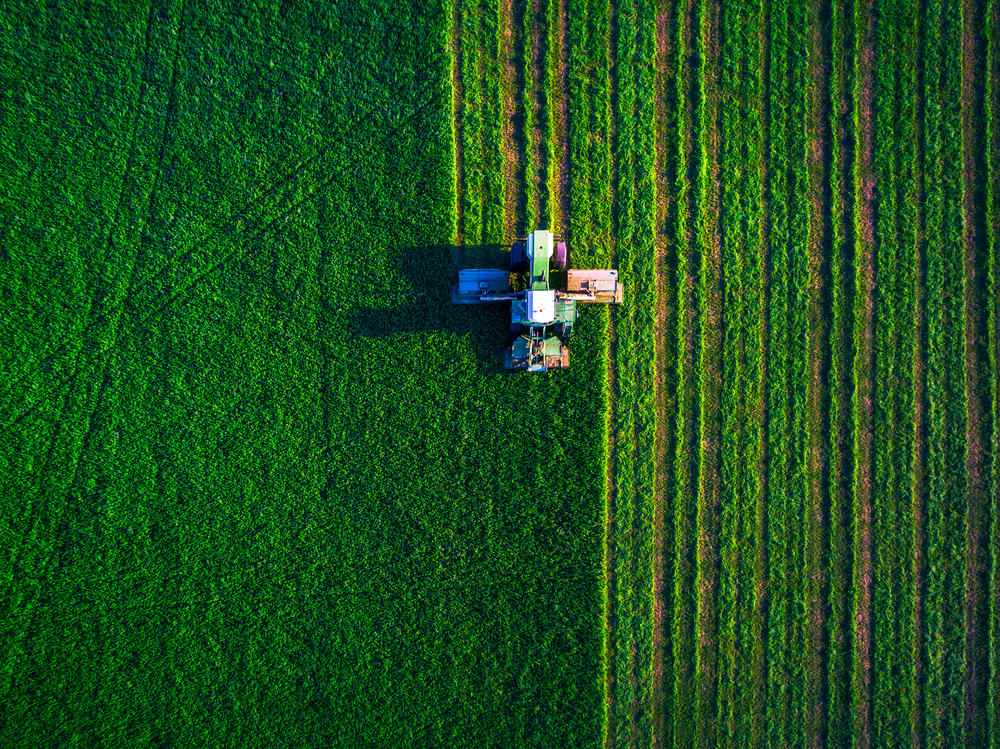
(641,70)
(841,384)
(517,188)
(457,102)
(798,374)
(977,373)
(742,362)
(664,332)
(818,242)
(709,247)
(864,321)
(780,449)
(759,622)
(557,145)
(893,600)
(683,630)
(945,380)
(921,409)
(529,50)
(992,114)
(471,127)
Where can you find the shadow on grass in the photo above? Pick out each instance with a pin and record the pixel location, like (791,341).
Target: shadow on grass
(427,275)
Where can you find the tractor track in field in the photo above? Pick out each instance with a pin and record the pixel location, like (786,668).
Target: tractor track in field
(91,403)
(975,270)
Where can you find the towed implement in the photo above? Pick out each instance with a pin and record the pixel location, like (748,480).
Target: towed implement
(541,315)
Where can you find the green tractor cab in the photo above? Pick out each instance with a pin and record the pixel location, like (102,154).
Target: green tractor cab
(541,314)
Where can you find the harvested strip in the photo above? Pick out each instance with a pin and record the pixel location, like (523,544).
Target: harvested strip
(759,630)
(993,218)
(779,449)
(920,404)
(978,426)
(841,424)
(710,366)
(686,467)
(665,329)
(864,222)
(818,366)
(457,104)
(513,134)
(734,176)
(559,106)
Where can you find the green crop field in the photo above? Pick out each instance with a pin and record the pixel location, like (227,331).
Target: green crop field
(262,485)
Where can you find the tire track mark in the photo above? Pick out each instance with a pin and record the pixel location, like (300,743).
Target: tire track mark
(54,517)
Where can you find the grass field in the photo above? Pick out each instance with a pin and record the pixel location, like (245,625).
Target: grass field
(263,485)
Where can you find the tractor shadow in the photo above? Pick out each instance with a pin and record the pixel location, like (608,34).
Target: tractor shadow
(425,276)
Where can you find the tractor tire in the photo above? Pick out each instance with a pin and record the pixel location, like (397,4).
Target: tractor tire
(518,258)
(559,257)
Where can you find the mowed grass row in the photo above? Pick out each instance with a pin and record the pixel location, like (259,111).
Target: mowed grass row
(866,491)
(634,56)
(992,116)
(893,592)
(740,160)
(945,381)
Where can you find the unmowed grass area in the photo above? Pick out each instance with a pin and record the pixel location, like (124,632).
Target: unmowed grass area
(262,484)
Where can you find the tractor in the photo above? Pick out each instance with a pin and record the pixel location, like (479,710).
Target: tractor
(541,315)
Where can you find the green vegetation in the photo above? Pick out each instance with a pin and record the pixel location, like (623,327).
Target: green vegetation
(264,485)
